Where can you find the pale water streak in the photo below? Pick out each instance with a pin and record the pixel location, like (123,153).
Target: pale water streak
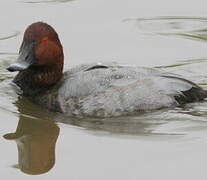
(187,27)
(48,1)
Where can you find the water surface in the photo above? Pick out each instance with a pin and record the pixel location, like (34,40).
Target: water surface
(166,144)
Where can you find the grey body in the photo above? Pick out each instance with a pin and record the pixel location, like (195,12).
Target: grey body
(110,89)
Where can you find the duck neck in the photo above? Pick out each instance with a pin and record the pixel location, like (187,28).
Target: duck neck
(37,80)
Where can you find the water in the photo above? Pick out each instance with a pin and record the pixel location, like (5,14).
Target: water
(166,144)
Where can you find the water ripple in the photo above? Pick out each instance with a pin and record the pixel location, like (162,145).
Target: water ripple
(14,34)
(186,27)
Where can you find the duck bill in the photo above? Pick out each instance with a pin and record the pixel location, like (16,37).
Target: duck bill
(26,58)
(18,66)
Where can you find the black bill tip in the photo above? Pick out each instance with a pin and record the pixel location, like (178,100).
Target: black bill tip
(16,67)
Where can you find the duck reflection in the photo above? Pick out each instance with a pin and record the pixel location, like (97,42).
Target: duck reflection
(37,133)
(139,125)
(36,139)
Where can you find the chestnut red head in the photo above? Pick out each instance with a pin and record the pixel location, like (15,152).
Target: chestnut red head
(41,47)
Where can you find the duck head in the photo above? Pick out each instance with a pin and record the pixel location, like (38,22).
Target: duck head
(40,55)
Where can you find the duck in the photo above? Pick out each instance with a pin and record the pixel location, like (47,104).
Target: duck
(107,89)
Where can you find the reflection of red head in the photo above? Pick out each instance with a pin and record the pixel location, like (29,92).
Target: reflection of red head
(36,145)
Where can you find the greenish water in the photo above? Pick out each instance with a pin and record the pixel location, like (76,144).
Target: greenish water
(166,144)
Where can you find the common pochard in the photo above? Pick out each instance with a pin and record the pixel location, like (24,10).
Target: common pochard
(96,89)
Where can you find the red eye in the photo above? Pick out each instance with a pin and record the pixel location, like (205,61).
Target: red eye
(44,40)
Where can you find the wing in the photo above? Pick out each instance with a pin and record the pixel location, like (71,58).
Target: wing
(87,79)
(115,91)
